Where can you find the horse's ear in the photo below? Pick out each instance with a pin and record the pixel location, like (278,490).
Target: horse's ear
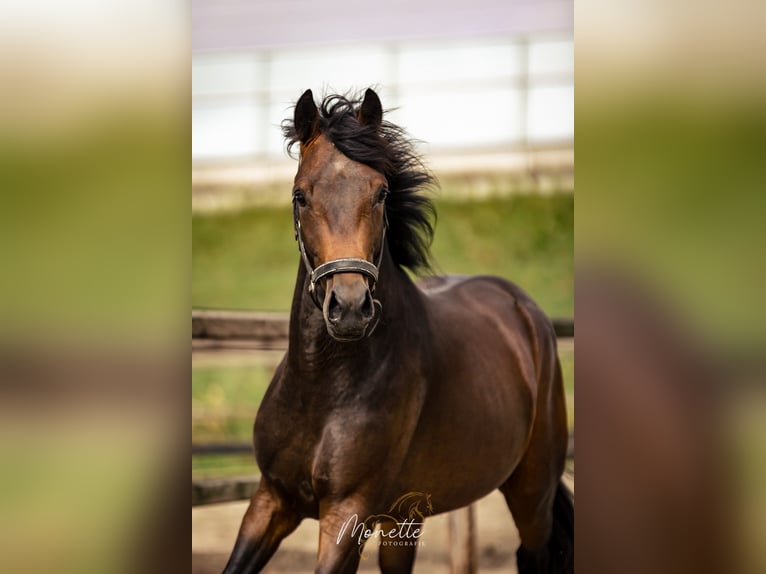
(371,112)
(305,117)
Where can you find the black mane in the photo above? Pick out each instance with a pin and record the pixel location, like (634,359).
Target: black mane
(389,150)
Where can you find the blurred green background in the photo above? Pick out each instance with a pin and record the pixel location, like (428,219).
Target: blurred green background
(248,259)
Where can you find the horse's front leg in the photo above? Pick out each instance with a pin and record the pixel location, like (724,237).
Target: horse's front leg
(342,525)
(267,521)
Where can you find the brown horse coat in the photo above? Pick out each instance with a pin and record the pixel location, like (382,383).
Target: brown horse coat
(451,388)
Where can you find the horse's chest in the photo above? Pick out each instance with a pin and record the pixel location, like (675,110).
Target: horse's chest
(310,456)
(284,449)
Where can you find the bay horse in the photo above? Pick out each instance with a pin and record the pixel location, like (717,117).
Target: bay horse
(450,386)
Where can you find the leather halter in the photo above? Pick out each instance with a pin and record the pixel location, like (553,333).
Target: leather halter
(342,265)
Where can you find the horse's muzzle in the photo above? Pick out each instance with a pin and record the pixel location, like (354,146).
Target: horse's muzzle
(348,307)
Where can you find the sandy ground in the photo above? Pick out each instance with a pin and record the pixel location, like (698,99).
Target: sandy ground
(214,529)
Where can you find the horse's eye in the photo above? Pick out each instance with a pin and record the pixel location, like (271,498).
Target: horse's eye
(382,194)
(299,198)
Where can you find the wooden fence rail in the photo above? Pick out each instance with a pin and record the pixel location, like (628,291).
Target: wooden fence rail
(213,329)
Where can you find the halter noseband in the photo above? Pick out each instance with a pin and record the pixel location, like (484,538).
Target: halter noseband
(342,265)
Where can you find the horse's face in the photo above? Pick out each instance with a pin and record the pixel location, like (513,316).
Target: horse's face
(340,205)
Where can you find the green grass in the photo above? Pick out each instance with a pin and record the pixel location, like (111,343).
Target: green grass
(248,260)
(225,400)
(528,239)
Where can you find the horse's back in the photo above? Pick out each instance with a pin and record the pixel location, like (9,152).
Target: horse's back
(451,285)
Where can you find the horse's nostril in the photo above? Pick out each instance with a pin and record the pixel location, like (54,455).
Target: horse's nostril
(333,309)
(367,308)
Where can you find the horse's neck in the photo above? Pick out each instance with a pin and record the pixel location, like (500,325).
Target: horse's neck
(307,329)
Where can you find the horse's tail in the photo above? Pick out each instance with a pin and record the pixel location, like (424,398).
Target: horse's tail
(561,543)
(557,557)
